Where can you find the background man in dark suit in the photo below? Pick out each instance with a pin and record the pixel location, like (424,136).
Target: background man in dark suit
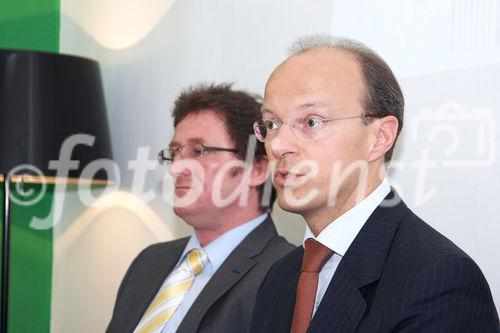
(331,115)
(208,282)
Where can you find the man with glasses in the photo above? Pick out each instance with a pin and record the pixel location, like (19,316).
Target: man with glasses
(207,282)
(331,115)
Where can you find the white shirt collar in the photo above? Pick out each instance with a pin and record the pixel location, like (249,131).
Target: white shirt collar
(340,233)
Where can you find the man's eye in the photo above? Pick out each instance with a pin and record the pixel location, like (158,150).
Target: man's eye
(312,122)
(197,151)
(271,125)
(172,153)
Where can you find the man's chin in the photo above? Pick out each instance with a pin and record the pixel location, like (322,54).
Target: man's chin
(183,211)
(292,204)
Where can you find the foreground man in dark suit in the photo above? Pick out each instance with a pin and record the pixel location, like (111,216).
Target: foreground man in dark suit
(331,115)
(208,282)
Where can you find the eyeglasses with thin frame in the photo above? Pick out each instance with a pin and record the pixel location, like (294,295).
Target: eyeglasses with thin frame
(190,150)
(307,128)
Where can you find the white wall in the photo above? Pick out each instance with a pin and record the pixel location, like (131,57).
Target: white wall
(446,54)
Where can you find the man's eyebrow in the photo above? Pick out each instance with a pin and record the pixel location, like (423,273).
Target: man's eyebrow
(305,106)
(313,105)
(189,141)
(266,110)
(174,144)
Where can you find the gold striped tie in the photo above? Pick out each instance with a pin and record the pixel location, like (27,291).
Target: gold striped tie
(172,292)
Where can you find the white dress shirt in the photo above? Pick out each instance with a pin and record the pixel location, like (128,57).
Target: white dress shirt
(217,251)
(340,233)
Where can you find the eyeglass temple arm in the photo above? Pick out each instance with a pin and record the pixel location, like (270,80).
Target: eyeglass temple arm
(220,149)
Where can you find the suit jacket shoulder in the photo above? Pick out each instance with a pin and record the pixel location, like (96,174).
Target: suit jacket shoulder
(429,284)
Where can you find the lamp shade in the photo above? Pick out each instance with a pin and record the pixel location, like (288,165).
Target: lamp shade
(45,98)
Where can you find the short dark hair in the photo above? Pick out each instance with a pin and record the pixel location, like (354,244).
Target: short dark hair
(239,110)
(382,93)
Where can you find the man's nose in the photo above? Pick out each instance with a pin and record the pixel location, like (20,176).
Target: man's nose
(284,143)
(178,167)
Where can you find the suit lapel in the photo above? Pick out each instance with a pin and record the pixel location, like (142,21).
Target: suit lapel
(234,268)
(343,305)
(154,278)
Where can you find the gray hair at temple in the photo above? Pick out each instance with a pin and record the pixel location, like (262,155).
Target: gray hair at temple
(382,93)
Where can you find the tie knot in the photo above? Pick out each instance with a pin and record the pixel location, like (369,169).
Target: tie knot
(315,256)
(196,260)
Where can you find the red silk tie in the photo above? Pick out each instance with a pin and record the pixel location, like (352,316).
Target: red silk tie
(315,257)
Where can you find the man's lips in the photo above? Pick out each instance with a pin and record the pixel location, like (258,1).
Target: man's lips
(182,188)
(283,177)
(182,191)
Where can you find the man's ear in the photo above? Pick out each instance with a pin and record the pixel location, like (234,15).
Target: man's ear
(385,132)
(259,171)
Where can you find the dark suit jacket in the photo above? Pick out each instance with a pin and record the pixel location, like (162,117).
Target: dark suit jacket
(398,275)
(224,305)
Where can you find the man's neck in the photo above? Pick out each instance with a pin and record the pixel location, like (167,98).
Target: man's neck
(229,220)
(319,219)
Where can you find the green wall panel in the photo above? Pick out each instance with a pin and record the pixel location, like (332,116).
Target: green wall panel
(30,24)
(30,266)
